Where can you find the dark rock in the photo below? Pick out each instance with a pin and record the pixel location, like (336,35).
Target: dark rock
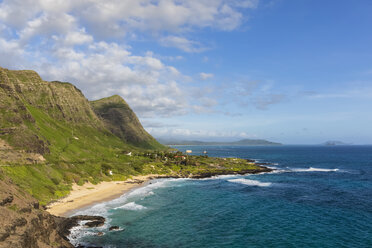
(230,172)
(65,224)
(4,236)
(263,163)
(20,222)
(83,246)
(96,223)
(114,228)
(6,200)
(99,234)
(26,210)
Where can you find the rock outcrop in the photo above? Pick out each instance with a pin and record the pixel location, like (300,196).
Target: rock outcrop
(25,98)
(23,224)
(120,119)
(43,117)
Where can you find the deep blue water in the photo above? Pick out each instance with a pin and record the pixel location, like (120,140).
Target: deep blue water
(319,197)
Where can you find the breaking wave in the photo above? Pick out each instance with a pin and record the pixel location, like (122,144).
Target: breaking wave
(312,169)
(132,206)
(250,182)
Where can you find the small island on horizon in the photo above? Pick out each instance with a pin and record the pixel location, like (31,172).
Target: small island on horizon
(336,143)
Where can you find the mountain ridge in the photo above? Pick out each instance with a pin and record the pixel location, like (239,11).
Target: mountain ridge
(53,125)
(120,119)
(52,137)
(243,142)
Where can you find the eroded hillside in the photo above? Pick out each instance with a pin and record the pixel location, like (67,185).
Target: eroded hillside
(120,119)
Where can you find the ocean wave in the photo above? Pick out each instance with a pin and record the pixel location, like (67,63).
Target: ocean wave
(103,208)
(131,206)
(219,177)
(250,182)
(147,190)
(78,232)
(312,169)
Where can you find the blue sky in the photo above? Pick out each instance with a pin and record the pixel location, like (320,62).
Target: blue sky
(293,71)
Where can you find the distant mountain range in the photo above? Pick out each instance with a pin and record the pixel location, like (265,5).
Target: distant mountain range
(335,143)
(243,142)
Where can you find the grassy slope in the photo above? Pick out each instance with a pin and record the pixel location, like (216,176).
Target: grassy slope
(77,154)
(56,120)
(120,119)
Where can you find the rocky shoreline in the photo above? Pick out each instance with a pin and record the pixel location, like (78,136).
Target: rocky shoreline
(65,224)
(26,224)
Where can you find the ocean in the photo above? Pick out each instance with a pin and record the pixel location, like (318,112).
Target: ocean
(319,196)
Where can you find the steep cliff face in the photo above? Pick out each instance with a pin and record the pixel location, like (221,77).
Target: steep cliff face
(50,137)
(52,126)
(62,101)
(24,91)
(23,224)
(123,122)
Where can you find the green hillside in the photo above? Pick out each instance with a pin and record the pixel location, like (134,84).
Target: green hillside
(120,119)
(52,137)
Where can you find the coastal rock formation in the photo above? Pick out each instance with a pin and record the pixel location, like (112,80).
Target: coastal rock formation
(24,96)
(114,228)
(120,119)
(228,172)
(51,136)
(33,111)
(23,224)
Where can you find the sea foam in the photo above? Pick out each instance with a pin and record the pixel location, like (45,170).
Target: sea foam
(312,169)
(250,182)
(132,206)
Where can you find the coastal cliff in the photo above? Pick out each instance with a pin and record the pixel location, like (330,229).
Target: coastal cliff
(23,223)
(52,137)
(120,119)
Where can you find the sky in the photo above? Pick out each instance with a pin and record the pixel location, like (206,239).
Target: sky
(291,71)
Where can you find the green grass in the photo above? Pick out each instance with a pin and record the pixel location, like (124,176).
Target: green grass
(73,160)
(86,152)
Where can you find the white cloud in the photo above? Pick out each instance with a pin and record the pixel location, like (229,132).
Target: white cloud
(119,16)
(11,54)
(47,25)
(166,15)
(103,69)
(182,44)
(83,42)
(205,76)
(183,133)
(78,37)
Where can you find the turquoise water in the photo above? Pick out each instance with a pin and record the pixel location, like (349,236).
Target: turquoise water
(318,197)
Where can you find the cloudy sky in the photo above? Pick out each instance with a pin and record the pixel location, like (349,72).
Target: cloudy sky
(293,71)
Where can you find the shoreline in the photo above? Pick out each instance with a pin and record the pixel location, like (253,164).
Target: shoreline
(89,194)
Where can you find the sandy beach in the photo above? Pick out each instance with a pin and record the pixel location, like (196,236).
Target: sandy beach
(89,194)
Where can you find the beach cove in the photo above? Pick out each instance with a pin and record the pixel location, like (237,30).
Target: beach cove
(89,194)
(299,203)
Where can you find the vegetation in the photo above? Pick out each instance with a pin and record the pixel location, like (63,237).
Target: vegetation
(52,136)
(119,118)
